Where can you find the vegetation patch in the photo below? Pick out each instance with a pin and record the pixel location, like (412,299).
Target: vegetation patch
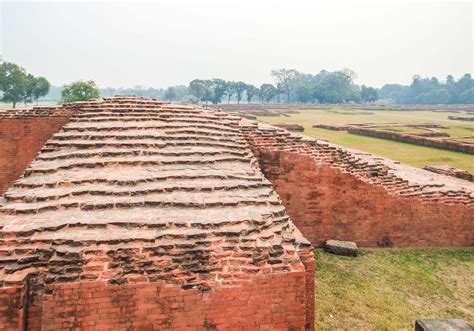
(388,289)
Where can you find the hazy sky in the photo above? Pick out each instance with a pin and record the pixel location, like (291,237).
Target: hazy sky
(169,42)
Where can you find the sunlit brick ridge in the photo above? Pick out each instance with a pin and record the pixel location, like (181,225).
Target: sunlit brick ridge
(334,192)
(140,213)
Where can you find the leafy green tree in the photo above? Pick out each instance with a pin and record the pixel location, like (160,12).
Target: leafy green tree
(267,92)
(208,91)
(304,94)
(240,88)
(14,83)
(30,87)
(196,88)
(395,92)
(229,90)
(80,91)
(41,88)
(467,96)
(333,87)
(219,87)
(369,94)
(250,91)
(285,79)
(170,94)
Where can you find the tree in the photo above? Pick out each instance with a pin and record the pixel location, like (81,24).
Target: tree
(239,90)
(30,87)
(267,92)
(333,87)
(219,87)
(229,90)
(208,92)
(285,78)
(14,83)
(250,91)
(196,88)
(369,94)
(80,91)
(41,88)
(304,95)
(467,96)
(170,94)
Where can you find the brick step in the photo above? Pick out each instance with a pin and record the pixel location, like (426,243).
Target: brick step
(84,144)
(101,153)
(46,194)
(43,167)
(176,199)
(150,122)
(125,178)
(119,137)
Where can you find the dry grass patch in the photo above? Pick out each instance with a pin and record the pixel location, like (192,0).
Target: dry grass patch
(388,289)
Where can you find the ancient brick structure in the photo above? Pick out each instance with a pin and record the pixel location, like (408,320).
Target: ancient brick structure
(22,134)
(461,118)
(139,214)
(448,144)
(290,127)
(336,193)
(449,171)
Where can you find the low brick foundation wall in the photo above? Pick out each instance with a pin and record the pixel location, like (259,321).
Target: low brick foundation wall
(20,141)
(457,146)
(272,301)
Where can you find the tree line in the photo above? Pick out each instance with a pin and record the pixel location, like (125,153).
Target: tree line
(431,91)
(16,85)
(290,86)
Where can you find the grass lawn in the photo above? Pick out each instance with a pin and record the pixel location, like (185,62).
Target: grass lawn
(414,155)
(388,289)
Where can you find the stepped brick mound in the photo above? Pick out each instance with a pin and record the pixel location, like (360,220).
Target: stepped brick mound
(331,192)
(143,214)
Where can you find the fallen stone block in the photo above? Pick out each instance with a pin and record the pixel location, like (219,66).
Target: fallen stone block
(443,325)
(338,247)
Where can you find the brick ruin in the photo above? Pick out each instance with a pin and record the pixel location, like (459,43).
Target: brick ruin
(142,214)
(22,134)
(332,192)
(423,140)
(137,213)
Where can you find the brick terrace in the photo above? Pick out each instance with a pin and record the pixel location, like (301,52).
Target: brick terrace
(142,214)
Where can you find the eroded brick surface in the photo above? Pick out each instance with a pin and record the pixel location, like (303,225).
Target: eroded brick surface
(335,193)
(135,191)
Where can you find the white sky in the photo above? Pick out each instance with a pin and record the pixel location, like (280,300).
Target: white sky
(170,42)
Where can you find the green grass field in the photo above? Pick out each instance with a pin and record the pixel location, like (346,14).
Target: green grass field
(414,155)
(388,289)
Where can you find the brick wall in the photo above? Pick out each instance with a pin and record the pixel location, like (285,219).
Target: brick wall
(452,145)
(268,302)
(20,141)
(12,308)
(327,203)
